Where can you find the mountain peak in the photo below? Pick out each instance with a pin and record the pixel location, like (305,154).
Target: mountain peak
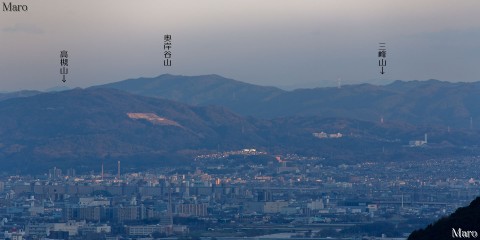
(198,90)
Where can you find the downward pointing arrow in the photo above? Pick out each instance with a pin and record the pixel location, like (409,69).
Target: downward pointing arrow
(382,72)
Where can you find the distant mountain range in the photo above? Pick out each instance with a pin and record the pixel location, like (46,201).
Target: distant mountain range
(429,102)
(28,93)
(25,93)
(82,127)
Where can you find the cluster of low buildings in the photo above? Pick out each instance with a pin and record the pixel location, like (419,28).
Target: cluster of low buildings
(232,197)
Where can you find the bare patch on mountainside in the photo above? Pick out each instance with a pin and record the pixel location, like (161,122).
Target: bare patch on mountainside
(153,118)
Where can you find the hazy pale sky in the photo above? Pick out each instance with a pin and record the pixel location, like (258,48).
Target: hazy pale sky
(267,42)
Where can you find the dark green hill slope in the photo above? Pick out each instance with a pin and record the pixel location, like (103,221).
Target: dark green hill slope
(456,226)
